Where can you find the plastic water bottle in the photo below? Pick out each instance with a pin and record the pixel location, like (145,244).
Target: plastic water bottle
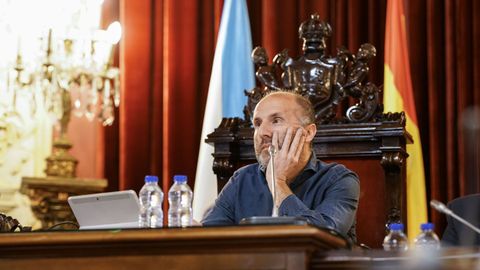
(151,199)
(180,200)
(427,239)
(396,240)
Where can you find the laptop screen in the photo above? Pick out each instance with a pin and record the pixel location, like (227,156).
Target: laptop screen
(109,210)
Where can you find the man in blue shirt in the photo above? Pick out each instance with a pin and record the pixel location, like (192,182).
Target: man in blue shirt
(325,194)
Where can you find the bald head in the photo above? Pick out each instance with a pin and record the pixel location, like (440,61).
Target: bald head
(307,115)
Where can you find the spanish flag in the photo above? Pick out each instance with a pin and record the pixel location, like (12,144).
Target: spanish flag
(398,96)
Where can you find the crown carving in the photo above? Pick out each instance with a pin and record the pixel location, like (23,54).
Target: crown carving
(314,31)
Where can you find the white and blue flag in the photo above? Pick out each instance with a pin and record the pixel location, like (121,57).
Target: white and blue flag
(232,73)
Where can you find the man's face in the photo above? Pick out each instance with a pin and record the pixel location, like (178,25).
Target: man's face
(276,112)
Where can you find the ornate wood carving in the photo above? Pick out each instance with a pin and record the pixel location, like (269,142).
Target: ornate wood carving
(325,80)
(393,163)
(224,135)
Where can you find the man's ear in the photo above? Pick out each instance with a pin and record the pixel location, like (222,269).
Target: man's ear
(311,132)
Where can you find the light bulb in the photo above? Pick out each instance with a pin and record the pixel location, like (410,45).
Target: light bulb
(114,32)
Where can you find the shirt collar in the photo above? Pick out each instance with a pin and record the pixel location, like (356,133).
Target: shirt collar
(312,163)
(310,169)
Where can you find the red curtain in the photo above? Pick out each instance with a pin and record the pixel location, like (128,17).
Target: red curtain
(167,52)
(444,41)
(109,149)
(166,56)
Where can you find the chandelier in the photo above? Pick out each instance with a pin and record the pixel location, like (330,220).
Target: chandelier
(57,61)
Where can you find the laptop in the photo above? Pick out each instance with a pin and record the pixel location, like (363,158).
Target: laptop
(109,210)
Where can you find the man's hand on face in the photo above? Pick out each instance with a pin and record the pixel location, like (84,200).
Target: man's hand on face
(289,160)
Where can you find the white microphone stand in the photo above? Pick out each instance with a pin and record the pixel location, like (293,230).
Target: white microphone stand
(272,151)
(443,209)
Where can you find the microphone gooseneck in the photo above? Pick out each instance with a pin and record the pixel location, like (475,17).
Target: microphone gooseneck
(440,207)
(272,151)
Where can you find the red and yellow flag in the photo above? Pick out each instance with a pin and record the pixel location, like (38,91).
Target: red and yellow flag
(398,96)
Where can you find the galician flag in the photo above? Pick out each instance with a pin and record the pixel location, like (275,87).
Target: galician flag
(232,72)
(398,96)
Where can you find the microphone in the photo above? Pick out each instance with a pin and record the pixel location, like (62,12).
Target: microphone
(440,207)
(272,151)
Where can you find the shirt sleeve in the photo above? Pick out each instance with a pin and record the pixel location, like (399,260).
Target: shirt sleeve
(223,211)
(337,209)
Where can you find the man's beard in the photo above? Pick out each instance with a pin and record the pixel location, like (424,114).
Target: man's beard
(262,154)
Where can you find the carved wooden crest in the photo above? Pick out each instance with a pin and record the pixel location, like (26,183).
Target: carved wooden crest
(325,80)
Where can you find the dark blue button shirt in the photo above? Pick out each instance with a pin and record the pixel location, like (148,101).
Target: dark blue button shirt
(326,194)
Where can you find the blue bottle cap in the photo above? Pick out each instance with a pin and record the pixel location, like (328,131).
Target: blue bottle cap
(151,178)
(180,178)
(396,227)
(427,226)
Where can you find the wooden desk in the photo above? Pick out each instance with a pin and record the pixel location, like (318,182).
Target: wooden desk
(245,247)
(255,247)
